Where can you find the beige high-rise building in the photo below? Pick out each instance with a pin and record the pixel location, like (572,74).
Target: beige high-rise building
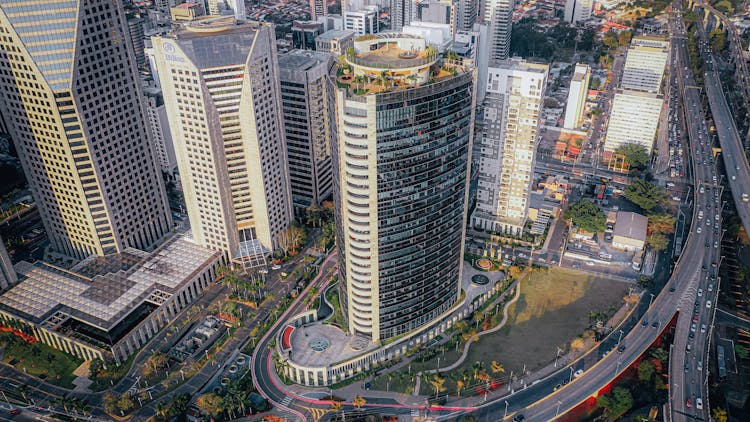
(220,83)
(579,88)
(69,87)
(512,106)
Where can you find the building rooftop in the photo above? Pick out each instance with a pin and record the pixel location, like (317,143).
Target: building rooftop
(631,225)
(335,34)
(391,50)
(103,291)
(302,60)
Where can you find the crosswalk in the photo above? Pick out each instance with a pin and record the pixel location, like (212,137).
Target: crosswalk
(414,413)
(286,401)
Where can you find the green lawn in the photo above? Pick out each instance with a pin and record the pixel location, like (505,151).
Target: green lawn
(40,360)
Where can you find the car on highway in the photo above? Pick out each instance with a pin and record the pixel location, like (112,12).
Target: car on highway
(710,287)
(621,348)
(703,328)
(708,304)
(644,323)
(700,215)
(15,411)
(716,243)
(519,417)
(700,292)
(655,324)
(692,328)
(698,230)
(714,264)
(578,373)
(700,365)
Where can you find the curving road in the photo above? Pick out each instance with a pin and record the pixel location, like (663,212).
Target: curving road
(687,278)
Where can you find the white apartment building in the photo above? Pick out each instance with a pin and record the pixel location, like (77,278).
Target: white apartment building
(645,64)
(221,89)
(75,112)
(633,119)
(578,10)
(361,22)
(498,14)
(515,91)
(158,124)
(579,87)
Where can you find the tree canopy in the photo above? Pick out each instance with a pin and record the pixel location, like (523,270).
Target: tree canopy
(617,403)
(645,194)
(657,242)
(587,216)
(718,40)
(645,371)
(635,155)
(661,223)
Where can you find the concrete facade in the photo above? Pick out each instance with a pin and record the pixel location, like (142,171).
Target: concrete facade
(579,88)
(515,91)
(221,89)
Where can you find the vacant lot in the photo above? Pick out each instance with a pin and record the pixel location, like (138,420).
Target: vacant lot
(552,310)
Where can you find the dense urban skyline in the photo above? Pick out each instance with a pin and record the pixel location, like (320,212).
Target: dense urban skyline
(386,209)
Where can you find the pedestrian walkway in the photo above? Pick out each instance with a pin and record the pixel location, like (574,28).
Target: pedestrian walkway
(517,286)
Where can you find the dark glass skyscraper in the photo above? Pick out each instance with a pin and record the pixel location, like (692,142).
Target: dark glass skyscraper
(401,177)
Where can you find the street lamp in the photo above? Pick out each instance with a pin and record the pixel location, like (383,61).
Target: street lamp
(649,306)
(570,378)
(557,412)
(505,415)
(558,356)
(621,333)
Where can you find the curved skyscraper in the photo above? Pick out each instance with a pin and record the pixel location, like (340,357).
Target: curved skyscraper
(401,180)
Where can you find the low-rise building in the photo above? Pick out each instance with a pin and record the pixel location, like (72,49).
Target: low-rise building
(186,12)
(630,231)
(335,41)
(110,306)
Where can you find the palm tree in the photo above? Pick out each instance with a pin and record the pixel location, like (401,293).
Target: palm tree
(383,78)
(358,402)
(162,409)
(413,79)
(438,384)
(497,367)
(460,384)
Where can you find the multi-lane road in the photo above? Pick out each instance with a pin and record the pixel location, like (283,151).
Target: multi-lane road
(689,352)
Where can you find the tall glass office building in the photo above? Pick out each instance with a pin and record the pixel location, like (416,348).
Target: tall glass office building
(70,94)
(401,173)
